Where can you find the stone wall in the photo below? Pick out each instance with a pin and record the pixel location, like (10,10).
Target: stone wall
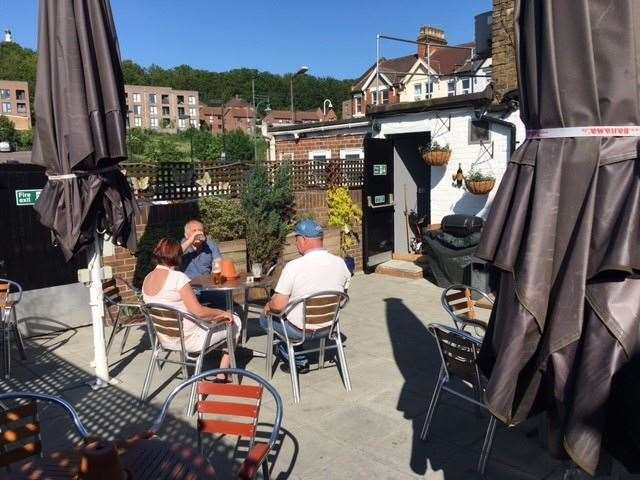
(505,74)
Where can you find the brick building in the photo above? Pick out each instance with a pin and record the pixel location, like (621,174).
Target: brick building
(162,108)
(238,115)
(283,117)
(14,103)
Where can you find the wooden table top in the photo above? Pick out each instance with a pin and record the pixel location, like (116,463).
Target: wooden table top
(152,459)
(205,282)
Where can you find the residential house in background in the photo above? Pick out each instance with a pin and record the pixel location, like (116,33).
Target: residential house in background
(14,103)
(162,108)
(283,117)
(238,115)
(436,70)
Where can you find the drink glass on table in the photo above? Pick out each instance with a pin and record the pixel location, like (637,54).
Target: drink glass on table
(256,270)
(217,273)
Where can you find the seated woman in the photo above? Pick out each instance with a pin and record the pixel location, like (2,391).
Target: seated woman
(167,286)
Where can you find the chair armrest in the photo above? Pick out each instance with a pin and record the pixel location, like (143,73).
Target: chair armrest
(251,465)
(131,305)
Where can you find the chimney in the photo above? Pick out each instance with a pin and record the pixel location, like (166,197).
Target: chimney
(7,36)
(503,49)
(431,35)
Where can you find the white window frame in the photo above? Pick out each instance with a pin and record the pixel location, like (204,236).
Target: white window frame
(464,90)
(351,151)
(357,104)
(192,100)
(429,87)
(417,91)
(137,109)
(193,112)
(153,110)
(154,97)
(194,123)
(136,98)
(6,107)
(450,92)
(320,153)
(317,166)
(5,94)
(154,122)
(182,123)
(137,121)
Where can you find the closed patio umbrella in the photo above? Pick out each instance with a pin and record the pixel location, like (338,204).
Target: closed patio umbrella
(80,138)
(564,229)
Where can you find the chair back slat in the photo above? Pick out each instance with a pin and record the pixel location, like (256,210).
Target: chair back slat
(459,353)
(230,390)
(322,309)
(228,408)
(461,302)
(5,290)
(18,424)
(227,428)
(111,292)
(165,321)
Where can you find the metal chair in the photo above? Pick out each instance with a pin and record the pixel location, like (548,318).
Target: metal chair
(168,321)
(127,315)
(10,296)
(459,352)
(248,408)
(20,427)
(257,297)
(458,301)
(317,309)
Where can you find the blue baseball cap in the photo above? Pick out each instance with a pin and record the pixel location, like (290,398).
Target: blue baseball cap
(308,229)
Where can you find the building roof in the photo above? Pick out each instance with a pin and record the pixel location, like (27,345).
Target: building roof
(483,98)
(273,116)
(334,125)
(245,111)
(443,59)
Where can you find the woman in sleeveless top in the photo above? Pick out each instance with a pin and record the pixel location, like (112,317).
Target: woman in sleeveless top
(167,286)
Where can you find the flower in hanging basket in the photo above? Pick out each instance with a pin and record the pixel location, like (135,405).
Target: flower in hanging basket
(435,154)
(479,183)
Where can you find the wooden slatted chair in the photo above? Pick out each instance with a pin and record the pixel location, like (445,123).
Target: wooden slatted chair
(123,315)
(319,309)
(216,399)
(459,302)
(10,296)
(257,297)
(459,354)
(168,322)
(20,427)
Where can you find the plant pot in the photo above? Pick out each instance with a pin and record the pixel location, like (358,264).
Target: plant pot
(436,158)
(480,187)
(350,262)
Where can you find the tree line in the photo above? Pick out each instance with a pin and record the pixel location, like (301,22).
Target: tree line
(18,63)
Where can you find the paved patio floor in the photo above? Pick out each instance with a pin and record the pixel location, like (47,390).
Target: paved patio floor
(370,432)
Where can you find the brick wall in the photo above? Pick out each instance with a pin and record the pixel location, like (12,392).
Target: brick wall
(505,75)
(300,148)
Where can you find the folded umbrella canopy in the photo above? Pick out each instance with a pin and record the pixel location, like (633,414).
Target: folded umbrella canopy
(564,228)
(80,135)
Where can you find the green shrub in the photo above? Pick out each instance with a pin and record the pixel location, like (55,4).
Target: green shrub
(25,140)
(223,218)
(8,132)
(268,212)
(478,176)
(147,243)
(163,150)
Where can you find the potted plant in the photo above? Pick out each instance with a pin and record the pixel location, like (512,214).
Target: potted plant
(435,154)
(345,215)
(479,183)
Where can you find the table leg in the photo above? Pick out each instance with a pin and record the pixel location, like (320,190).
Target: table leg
(231,341)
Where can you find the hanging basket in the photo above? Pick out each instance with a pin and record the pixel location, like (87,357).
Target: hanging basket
(436,158)
(480,187)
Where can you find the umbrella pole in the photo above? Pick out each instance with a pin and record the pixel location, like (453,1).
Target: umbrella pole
(97,314)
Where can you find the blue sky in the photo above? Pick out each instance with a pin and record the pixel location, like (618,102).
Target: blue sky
(335,38)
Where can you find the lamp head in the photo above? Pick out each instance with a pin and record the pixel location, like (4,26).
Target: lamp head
(303,69)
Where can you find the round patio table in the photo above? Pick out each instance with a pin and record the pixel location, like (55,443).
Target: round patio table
(229,287)
(143,458)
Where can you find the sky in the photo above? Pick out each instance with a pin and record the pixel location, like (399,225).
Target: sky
(335,38)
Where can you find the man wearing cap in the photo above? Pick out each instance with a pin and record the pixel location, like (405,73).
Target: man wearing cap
(315,271)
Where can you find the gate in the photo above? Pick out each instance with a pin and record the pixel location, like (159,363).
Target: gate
(27,254)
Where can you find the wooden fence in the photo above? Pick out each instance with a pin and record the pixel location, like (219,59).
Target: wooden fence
(169,181)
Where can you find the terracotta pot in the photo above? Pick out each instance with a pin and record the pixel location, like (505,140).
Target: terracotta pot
(100,461)
(436,158)
(480,187)
(228,269)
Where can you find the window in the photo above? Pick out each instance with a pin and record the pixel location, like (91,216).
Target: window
(182,123)
(193,112)
(318,160)
(192,100)
(166,111)
(451,88)
(137,109)
(357,104)
(153,110)
(194,123)
(152,98)
(165,99)
(374,98)
(5,94)
(428,90)
(22,107)
(154,123)
(6,107)
(136,98)
(21,95)
(352,165)
(417,91)
(180,99)
(479,131)
(385,96)
(165,123)
(180,110)
(137,121)
(466,86)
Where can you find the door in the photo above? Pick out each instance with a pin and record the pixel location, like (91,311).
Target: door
(377,202)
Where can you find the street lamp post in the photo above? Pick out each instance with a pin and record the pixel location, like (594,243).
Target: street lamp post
(302,71)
